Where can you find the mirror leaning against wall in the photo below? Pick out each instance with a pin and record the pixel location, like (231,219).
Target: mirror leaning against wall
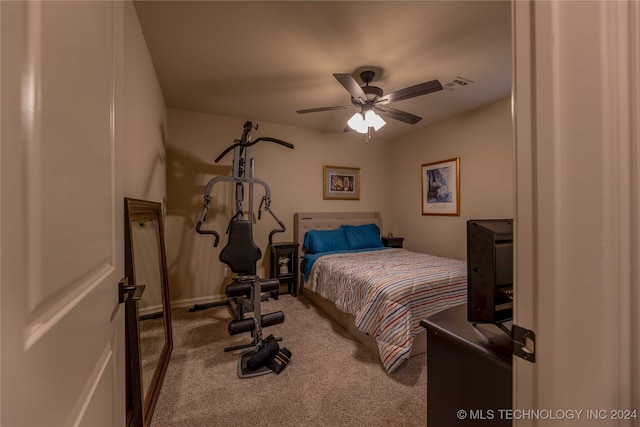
(147,307)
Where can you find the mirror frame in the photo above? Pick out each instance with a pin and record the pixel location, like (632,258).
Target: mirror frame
(139,407)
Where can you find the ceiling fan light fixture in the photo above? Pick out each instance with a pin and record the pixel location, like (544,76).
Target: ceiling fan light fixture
(358,123)
(374,120)
(361,122)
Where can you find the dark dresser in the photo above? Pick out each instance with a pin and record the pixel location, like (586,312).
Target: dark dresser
(469,371)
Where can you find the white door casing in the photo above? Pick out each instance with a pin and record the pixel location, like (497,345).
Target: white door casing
(576,109)
(62,342)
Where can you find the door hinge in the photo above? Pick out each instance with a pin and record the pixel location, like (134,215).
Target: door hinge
(524,343)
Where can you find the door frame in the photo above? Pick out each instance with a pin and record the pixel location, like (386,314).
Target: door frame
(576,92)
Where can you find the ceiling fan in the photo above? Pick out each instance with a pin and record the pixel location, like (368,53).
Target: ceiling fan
(373,103)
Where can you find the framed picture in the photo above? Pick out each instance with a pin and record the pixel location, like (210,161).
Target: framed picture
(441,188)
(341,183)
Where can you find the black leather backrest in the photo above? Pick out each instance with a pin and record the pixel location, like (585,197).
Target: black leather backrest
(241,254)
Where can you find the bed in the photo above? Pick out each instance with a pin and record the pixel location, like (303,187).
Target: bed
(378,294)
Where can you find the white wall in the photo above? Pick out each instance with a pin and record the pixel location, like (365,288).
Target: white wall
(483,140)
(294,177)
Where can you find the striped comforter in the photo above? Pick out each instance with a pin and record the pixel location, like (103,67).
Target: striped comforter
(389,292)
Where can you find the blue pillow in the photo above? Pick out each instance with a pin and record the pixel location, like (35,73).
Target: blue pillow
(319,241)
(363,236)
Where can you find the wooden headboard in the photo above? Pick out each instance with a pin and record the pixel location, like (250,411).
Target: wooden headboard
(305,221)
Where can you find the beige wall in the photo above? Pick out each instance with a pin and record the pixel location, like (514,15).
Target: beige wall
(390,183)
(145,118)
(294,177)
(483,140)
(145,129)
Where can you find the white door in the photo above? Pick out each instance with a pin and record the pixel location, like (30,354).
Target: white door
(577,103)
(61,213)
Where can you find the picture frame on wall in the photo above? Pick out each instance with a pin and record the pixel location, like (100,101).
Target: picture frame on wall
(341,183)
(441,187)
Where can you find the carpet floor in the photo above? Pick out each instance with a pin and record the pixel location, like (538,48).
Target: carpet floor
(333,379)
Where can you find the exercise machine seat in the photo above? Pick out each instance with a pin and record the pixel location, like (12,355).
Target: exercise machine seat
(241,253)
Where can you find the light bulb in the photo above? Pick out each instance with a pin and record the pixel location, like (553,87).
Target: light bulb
(373,120)
(357,123)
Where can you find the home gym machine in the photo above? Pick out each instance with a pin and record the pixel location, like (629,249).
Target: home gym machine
(245,292)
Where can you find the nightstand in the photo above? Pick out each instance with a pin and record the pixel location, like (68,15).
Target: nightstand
(284,265)
(393,242)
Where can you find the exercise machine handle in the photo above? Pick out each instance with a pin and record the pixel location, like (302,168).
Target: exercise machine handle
(282,228)
(267,207)
(276,140)
(215,235)
(248,144)
(202,218)
(244,141)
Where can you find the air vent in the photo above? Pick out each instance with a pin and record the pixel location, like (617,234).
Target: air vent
(457,82)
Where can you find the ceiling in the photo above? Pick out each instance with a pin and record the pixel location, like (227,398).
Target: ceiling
(262,61)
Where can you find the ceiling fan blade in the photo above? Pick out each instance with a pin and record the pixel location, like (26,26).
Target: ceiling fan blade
(315,110)
(402,116)
(411,92)
(352,86)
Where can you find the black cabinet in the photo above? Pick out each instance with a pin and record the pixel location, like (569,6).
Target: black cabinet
(393,242)
(469,369)
(284,265)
